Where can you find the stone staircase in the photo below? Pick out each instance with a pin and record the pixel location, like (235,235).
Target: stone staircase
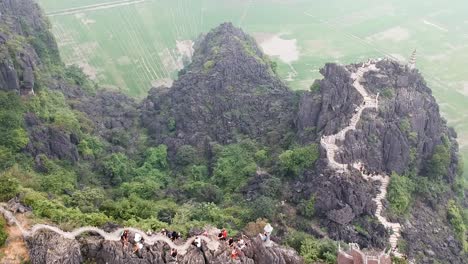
(329,143)
(210,239)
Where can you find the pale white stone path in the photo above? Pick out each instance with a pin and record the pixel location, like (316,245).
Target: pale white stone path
(329,143)
(211,239)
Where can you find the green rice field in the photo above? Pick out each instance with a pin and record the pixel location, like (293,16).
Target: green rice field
(131,45)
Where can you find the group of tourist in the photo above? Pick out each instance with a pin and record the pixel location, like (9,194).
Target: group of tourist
(367,172)
(138,239)
(236,247)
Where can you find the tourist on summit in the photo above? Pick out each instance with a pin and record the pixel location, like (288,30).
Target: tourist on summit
(163,232)
(231,242)
(241,244)
(223,235)
(174,253)
(234,254)
(174,235)
(138,246)
(124,238)
(198,243)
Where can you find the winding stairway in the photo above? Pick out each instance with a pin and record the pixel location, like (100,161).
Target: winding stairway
(210,240)
(329,143)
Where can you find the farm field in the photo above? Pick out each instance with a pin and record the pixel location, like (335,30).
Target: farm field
(131,45)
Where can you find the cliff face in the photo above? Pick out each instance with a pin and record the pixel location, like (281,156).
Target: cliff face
(25,45)
(228,90)
(400,137)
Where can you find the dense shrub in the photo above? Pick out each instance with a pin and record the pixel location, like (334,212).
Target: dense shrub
(439,162)
(9,187)
(263,207)
(294,161)
(58,213)
(12,134)
(88,200)
(203,192)
(455,216)
(399,193)
(3,233)
(235,164)
(307,207)
(311,249)
(186,155)
(118,168)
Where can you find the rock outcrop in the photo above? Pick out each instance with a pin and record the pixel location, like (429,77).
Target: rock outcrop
(48,248)
(26,44)
(228,90)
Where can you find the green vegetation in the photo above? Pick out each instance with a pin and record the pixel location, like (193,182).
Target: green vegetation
(315,87)
(208,65)
(3,233)
(235,163)
(440,161)
(12,133)
(307,207)
(294,161)
(311,249)
(387,93)
(454,214)
(400,193)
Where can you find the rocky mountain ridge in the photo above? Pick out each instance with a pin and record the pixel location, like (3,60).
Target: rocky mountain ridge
(228,93)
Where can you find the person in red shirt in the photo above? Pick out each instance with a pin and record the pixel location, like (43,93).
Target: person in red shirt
(234,254)
(223,235)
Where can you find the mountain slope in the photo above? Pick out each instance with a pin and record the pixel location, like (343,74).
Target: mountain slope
(227,145)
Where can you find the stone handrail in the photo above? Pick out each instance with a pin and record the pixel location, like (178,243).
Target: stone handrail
(211,241)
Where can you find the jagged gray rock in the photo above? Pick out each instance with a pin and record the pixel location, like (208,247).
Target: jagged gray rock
(228,90)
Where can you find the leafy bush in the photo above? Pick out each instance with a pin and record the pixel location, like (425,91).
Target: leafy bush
(52,107)
(439,162)
(307,207)
(186,155)
(263,207)
(90,147)
(399,193)
(118,168)
(313,250)
(261,157)
(455,217)
(60,214)
(235,164)
(315,87)
(203,192)
(387,93)
(295,238)
(88,200)
(157,157)
(3,233)
(75,75)
(58,180)
(145,188)
(9,187)
(405,126)
(12,134)
(208,65)
(294,161)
